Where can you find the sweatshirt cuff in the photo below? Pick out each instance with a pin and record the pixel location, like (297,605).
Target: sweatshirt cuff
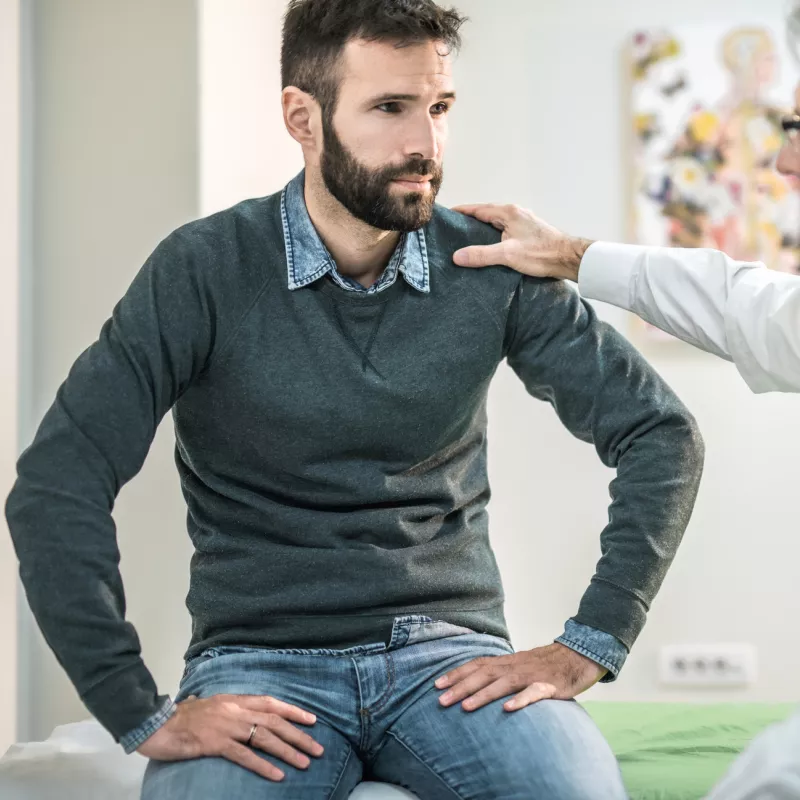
(606,272)
(614,610)
(598,646)
(125,700)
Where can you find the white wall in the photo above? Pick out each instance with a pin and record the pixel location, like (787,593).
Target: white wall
(540,121)
(10,155)
(244,148)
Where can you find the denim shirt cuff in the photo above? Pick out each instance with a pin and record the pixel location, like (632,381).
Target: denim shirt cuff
(602,648)
(131,740)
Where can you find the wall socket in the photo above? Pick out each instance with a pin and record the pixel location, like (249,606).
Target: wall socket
(708,665)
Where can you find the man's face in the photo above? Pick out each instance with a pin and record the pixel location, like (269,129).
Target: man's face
(789,158)
(383,148)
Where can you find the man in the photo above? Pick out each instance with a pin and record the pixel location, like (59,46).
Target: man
(327,367)
(737,310)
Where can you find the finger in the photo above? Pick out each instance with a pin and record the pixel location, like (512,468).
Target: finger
(502,687)
(245,757)
(531,694)
(468,686)
(271,705)
(482,255)
(288,732)
(264,739)
(485,212)
(457,674)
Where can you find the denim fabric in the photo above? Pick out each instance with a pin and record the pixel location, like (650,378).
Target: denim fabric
(602,648)
(131,740)
(378,718)
(307,258)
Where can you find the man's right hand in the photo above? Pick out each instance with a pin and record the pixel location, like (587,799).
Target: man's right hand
(529,244)
(221,725)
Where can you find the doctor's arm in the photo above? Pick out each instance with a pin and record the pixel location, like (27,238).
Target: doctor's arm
(737,310)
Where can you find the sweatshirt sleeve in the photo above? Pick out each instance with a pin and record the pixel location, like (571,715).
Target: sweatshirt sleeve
(606,394)
(91,442)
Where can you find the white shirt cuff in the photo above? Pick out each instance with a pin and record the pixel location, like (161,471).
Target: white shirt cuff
(607,271)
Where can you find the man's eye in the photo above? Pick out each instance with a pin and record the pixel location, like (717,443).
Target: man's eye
(389,108)
(440,108)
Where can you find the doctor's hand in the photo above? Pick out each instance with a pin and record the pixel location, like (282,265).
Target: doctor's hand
(221,726)
(529,244)
(553,672)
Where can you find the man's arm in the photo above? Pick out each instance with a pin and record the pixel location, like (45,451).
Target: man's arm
(735,309)
(606,394)
(92,441)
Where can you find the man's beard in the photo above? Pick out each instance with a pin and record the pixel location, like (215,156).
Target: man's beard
(366,193)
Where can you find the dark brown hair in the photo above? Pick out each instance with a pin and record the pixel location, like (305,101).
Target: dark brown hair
(315,33)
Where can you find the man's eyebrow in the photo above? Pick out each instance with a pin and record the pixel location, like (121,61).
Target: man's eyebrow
(388,98)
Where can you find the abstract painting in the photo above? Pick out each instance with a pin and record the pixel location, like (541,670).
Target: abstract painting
(706,105)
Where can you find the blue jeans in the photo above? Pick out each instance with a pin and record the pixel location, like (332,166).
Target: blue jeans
(379,718)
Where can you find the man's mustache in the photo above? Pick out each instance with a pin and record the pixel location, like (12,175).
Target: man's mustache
(414,167)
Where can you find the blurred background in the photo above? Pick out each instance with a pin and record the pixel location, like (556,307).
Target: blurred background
(120,121)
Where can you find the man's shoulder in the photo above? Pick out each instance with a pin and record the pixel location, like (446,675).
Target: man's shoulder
(449,231)
(243,223)
(451,228)
(234,251)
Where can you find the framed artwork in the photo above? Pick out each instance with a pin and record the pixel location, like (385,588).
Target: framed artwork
(706,105)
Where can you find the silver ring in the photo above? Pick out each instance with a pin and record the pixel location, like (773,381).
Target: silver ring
(252,734)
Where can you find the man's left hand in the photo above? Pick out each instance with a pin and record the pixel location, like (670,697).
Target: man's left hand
(552,672)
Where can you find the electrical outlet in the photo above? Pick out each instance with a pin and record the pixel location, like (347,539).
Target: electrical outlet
(701,665)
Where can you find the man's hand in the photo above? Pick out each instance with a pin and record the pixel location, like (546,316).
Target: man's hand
(221,725)
(552,672)
(529,245)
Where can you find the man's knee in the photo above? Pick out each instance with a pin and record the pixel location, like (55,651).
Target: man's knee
(565,755)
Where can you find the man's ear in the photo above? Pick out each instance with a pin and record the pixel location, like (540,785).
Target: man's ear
(301,115)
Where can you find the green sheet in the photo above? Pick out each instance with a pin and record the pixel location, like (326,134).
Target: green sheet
(678,751)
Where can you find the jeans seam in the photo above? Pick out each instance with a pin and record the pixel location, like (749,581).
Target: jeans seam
(341,773)
(363,718)
(584,651)
(424,764)
(384,699)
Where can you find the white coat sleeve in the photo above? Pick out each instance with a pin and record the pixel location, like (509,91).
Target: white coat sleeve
(737,310)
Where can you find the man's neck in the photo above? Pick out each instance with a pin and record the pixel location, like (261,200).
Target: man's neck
(360,251)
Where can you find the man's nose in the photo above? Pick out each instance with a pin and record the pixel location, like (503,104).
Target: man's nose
(423,140)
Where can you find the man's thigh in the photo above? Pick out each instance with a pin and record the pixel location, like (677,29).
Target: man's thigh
(331,777)
(315,684)
(550,750)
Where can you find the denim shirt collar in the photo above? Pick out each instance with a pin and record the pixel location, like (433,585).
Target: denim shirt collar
(308,259)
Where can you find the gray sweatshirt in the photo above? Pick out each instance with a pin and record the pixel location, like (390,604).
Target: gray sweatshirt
(331,447)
